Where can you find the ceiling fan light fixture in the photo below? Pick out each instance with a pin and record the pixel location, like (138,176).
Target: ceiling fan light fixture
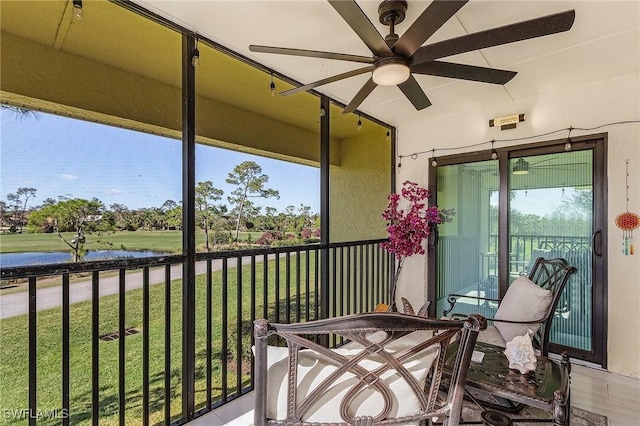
(78,12)
(521,167)
(391,71)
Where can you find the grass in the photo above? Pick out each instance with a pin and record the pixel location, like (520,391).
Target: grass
(14,344)
(160,241)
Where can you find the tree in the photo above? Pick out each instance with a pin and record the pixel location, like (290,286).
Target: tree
(20,200)
(303,220)
(122,217)
(49,201)
(576,205)
(73,215)
(4,209)
(165,208)
(250,183)
(269,220)
(20,113)
(206,209)
(174,217)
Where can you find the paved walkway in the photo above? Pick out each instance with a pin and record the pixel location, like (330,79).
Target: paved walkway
(15,304)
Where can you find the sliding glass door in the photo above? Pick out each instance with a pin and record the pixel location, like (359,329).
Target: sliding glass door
(467,247)
(544,200)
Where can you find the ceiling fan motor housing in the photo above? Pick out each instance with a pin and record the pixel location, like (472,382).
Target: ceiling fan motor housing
(392,11)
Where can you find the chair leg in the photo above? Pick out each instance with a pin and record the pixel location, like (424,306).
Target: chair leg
(561,409)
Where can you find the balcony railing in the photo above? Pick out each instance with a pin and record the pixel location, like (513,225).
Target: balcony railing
(109,351)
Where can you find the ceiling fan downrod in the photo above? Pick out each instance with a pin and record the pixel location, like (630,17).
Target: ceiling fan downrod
(391,13)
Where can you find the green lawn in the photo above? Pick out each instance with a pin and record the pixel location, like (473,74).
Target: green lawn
(161,241)
(14,346)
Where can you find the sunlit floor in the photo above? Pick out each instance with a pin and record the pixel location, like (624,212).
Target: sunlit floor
(612,395)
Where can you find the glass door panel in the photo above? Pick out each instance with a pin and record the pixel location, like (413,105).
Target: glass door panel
(551,215)
(546,199)
(467,249)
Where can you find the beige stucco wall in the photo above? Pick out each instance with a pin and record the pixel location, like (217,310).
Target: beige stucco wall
(585,106)
(359,187)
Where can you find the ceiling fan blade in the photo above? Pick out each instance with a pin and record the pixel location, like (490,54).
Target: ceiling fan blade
(464,72)
(311,53)
(360,96)
(326,81)
(524,30)
(414,93)
(358,21)
(431,19)
(560,166)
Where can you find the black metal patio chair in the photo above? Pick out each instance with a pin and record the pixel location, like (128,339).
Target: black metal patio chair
(529,304)
(388,373)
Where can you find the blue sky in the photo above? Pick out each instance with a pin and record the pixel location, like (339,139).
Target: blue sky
(65,157)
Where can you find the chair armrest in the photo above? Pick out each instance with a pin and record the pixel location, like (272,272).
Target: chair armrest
(453,298)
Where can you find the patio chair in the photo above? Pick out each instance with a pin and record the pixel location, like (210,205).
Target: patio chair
(388,373)
(529,304)
(524,267)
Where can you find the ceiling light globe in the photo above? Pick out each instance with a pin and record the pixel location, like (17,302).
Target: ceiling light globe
(521,167)
(78,13)
(391,71)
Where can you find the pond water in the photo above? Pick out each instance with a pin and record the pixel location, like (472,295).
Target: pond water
(9,260)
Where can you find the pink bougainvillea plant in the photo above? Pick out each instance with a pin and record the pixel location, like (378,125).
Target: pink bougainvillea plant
(409,228)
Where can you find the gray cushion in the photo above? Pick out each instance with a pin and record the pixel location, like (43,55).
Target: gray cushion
(524,301)
(492,336)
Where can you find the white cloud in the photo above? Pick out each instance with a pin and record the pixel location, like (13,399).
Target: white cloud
(67,176)
(113,192)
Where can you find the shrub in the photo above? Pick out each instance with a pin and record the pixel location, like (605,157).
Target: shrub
(219,237)
(269,237)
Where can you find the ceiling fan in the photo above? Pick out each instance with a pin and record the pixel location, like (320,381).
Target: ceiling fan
(396,58)
(523,167)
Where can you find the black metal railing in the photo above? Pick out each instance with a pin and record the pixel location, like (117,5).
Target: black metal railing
(524,249)
(104,340)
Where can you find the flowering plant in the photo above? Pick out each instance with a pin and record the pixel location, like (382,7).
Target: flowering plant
(408,229)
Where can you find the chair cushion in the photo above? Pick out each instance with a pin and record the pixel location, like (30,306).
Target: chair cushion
(313,368)
(524,301)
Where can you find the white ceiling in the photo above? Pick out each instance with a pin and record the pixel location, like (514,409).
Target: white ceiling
(603,43)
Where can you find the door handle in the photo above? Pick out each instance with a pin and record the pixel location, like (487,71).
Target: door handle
(436,236)
(593,243)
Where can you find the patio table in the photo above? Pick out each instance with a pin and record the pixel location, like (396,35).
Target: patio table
(493,385)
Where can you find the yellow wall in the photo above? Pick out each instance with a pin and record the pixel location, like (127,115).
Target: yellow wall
(44,78)
(359,188)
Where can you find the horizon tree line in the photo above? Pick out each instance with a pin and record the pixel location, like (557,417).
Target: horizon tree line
(220,222)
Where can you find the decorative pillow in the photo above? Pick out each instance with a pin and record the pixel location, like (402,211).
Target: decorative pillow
(524,301)
(313,368)
(492,336)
